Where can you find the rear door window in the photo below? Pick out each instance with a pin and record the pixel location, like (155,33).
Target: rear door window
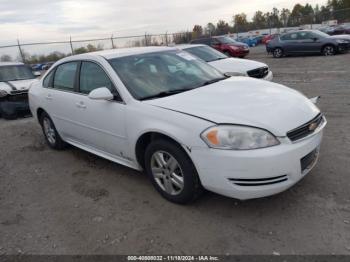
(65,76)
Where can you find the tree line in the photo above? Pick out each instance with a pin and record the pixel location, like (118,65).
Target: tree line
(51,57)
(277,18)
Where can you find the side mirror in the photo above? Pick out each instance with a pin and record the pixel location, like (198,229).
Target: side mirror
(37,73)
(102,93)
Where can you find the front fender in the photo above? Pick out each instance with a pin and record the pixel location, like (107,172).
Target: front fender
(182,128)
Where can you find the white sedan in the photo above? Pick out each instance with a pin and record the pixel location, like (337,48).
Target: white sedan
(229,65)
(186,124)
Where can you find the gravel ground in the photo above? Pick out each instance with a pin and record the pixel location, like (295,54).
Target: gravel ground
(72,202)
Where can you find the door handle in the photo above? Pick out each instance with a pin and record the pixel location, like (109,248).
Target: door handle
(80,105)
(49,97)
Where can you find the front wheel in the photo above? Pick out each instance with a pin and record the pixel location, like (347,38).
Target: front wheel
(277,52)
(172,172)
(328,50)
(52,137)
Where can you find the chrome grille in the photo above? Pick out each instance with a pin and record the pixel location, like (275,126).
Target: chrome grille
(306,129)
(259,72)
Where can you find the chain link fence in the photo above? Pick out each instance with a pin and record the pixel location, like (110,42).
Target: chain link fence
(42,52)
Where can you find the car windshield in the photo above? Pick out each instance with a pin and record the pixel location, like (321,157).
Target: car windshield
(206,53)
(226,40)
(158,74)
(318,33)
(14,73)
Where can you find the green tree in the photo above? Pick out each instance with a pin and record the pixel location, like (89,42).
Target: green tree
(222,28)
(284,16)
(240,22)
(259,20)
(6,58)
(210,29)
(197,31)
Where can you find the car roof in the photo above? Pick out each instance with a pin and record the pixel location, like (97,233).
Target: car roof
(10,63)
(121,52)
(186,46)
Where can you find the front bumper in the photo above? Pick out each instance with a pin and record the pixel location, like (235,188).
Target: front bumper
(14,103)
(343,47)
(269,76)
(218,169)
(240,52)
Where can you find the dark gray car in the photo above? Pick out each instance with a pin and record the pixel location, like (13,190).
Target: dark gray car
(307,42)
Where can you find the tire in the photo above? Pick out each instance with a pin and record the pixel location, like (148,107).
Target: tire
(277,52)
(329,50)
(172,172)
(53,139)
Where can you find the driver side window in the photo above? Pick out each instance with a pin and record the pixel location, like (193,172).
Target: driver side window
(92,76)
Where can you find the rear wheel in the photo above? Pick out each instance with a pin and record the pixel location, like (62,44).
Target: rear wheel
(277,52)
(52,137)
(172,172)
(328,50)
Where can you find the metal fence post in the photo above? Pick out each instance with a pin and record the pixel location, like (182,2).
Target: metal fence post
(21,52)
(145,39)
(112,42)
(71,45)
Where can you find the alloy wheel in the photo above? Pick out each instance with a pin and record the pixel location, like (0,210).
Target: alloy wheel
(328,51)
(278,52)
(49,131)
(167,172)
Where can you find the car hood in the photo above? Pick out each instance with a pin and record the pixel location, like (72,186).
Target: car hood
(16,85)
(236,65)
(342,37)
(244,101)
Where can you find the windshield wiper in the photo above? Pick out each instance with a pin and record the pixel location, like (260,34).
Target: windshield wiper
(213,81)
(166,93)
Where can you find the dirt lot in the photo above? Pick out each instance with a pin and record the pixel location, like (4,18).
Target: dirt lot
(72,202)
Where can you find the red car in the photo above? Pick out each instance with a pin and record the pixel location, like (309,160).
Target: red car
(225,45)
(268,38)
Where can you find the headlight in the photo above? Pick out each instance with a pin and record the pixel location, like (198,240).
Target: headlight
(3,93)
(238,137)
(235,74)
(340,41)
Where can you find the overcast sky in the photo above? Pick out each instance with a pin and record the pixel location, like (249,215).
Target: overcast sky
(52,20)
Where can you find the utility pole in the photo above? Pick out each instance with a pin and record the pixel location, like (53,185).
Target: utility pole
(113,46)
(71,45)
(21,52)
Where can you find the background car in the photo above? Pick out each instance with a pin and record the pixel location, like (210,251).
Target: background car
(307,42)
(229,65)
(47,65)
(341,29)
(250,41)
(225,45)
(15,80)
(268,38)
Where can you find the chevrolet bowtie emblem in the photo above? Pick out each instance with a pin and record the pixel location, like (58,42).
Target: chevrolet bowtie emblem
(313,126)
